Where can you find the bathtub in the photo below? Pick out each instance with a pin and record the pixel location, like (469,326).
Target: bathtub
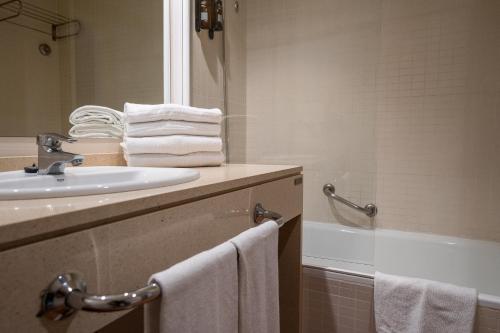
(358,252)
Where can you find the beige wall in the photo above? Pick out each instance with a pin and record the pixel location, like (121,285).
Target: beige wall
(311,96)
(117,57)
(207,69)
(395,102)
(29,81)
(438,118)
(236,93)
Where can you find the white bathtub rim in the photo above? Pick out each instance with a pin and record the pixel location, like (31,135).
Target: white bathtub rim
(376,232)
(484,300)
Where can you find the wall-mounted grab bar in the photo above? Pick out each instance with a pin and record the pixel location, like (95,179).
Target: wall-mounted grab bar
(68,292)
(370,210)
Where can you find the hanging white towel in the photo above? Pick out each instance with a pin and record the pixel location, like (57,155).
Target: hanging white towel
(172,144)
(95,114)
(198,295)
(410,305)
(139,113)
(258,282)
(172,127)
(198,159)
(89,130)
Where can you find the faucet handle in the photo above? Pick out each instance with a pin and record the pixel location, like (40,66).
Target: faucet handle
(53,140)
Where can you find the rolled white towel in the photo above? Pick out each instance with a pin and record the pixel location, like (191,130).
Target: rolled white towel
(198,159)
(172,127)
(96,131)
(172,144)
(140,113)
(96,115)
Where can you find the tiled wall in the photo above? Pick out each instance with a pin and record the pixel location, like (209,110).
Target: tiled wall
(211,60)
(488,320)
(207,71)
(337,303)
(311,96)
(438,117)
(396,102)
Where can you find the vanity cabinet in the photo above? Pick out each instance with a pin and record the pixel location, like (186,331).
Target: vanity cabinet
(121,255)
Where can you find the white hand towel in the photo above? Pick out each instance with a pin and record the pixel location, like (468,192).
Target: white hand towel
(199,159)
(198,295)
(172,127)
(411,305)
(258,282)
(172,144)
(96,131)
(96,115)
(139,113)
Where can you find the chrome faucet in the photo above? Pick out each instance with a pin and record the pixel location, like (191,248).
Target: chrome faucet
(51,158)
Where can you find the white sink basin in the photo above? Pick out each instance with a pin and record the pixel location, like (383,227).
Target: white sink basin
(17,185)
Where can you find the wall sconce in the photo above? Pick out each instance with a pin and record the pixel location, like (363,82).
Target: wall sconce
(209,16)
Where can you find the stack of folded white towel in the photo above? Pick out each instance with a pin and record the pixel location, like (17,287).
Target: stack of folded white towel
(92,121)
(171,135)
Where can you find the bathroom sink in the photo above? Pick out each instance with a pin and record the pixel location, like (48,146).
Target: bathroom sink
(15,185)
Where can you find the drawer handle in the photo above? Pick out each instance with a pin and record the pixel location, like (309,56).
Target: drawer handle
(260,214)
(68,294)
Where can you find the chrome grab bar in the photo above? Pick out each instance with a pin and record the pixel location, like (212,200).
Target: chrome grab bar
(370,210)
(260,214)
(68,292)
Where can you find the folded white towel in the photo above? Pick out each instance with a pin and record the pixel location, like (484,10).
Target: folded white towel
(172,144)
(96,131)
(199,159)
(172,127)
(413,305)
(139,113)
(258,282)
(96,115)
(199,294)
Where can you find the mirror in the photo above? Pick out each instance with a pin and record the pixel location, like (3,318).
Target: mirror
(57,55)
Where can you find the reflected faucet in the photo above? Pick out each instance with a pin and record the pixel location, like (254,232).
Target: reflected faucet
(51,158)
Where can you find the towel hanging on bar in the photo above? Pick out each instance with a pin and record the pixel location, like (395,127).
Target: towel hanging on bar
(68,292)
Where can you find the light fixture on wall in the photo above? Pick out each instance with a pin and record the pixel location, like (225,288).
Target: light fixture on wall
(209,16)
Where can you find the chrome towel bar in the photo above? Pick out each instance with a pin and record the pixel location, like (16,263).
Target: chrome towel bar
(260,214)
(68,292)
(370,210)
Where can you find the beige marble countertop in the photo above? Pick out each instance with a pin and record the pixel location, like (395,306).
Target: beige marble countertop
(26,221)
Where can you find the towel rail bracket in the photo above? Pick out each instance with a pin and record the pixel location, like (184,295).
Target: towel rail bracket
(260,215)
